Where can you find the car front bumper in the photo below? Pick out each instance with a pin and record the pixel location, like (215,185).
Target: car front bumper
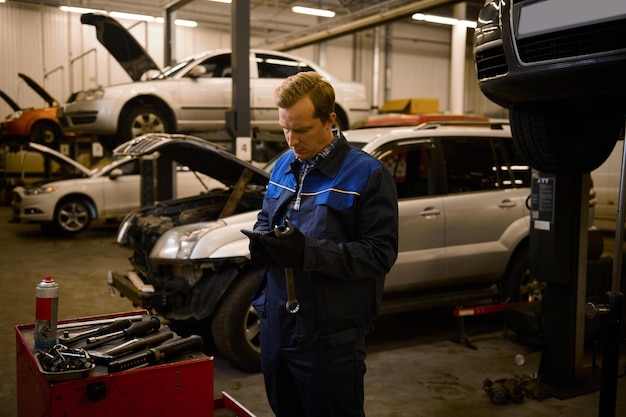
(31,209)
(135,290)
(95,117)
(579,62)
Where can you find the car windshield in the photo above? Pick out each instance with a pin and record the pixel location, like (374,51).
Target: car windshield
(172,70)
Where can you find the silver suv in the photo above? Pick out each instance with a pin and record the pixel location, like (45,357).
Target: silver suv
(463,237)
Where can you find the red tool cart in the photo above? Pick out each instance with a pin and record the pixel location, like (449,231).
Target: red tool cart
(180,387)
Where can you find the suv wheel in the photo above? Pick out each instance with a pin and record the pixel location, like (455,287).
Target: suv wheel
(142,119)
(72,215)
(517,284)
(566,138)
(236,326)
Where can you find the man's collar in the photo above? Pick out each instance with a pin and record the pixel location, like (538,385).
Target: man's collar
(331,166)
(323,153)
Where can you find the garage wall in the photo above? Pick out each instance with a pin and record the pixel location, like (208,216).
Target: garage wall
(63,55)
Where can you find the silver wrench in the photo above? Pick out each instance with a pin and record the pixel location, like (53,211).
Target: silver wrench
(293,305)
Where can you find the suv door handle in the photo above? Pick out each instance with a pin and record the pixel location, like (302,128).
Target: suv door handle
(430,212)
(507,203)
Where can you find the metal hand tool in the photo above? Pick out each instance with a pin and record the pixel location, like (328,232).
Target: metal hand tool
(69,338)
(157,354)
(136,329)
(293,305)
(129,346)
(97,322)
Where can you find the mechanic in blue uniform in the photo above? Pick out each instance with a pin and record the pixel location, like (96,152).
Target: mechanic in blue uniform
(342,206)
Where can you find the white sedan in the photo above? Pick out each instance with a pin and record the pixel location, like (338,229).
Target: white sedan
(106,192)
(193,95)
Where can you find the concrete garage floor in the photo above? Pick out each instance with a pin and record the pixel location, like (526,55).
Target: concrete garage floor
(415,368)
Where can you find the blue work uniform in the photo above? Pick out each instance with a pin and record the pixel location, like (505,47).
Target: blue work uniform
(347,208)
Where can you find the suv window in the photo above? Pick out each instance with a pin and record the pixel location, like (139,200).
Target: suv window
(410,165)
(482,164)
(272,66)
(519,173)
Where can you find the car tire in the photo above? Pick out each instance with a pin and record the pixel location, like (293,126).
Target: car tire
(517,283)
(142,119)
(566,138)
(236,326)
(47,134)
(73,215)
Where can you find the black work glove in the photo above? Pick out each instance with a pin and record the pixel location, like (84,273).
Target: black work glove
(288,247)
(258,254)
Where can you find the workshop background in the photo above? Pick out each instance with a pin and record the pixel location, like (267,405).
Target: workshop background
(399,58)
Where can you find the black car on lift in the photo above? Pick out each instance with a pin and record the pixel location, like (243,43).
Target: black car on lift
(559,67)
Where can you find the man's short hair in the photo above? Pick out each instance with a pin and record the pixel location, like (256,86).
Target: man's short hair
(305,84)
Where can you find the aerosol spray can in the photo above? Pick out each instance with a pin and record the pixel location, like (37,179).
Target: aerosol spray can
(46,312)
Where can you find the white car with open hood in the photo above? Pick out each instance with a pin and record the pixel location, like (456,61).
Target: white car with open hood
(192,95)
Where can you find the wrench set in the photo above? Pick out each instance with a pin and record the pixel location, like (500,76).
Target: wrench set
(119,345)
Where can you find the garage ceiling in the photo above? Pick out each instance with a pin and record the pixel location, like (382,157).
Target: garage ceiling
(273,20)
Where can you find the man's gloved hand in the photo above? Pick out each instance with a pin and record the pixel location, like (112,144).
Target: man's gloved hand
(286,245)
(258,253)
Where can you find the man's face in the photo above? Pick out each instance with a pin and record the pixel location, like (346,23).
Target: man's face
(306,135)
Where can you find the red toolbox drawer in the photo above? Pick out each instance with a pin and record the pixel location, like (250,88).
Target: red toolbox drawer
(183,387)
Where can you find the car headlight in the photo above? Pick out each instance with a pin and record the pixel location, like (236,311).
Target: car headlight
(87,95)
(46,189)
(179,242)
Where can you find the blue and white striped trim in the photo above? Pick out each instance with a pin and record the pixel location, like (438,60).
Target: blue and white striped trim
(282,186)
(333,189)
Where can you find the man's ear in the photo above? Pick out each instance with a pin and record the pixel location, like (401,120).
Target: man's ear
(331,119)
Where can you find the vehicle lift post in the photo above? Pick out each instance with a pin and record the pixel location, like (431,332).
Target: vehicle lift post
(558,248)
(558,256)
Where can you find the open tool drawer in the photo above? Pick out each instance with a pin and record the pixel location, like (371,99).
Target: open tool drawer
(181,386)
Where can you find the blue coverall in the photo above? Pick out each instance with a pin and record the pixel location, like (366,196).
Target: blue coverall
(313,361)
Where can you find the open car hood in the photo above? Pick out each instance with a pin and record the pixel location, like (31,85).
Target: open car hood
(77,169)
(12,104)
(121,45)
(39,90)
(198,154)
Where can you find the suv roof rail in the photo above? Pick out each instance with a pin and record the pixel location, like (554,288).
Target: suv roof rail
(496,124)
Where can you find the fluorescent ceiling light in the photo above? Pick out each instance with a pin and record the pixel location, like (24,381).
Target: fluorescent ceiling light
(80,10)
(313,12)
(132,16)
(186,23)
(443,20)
(129,16)
(179,22)
(222,1)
